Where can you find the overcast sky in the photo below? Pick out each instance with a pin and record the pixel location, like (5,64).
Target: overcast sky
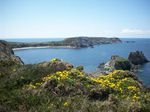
(68,18)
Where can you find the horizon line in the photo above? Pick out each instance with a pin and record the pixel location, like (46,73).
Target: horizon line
(72,37)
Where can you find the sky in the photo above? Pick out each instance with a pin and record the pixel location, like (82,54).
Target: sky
(69,18)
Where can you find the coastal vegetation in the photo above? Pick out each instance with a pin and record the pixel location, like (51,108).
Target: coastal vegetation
(50,87)
(58,86)
(74,55)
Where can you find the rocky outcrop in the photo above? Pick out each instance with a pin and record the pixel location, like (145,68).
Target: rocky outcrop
(80,42)
(137,58)
(6,53)
(117,63)
(74,42)
(56,65)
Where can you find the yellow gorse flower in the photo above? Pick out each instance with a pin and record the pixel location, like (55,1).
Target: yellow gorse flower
(66,104)
(118,82)
(135,97)
(133,88)
(54,59)
(60,75)
(31,86)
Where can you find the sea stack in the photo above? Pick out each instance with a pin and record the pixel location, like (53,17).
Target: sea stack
(137,58)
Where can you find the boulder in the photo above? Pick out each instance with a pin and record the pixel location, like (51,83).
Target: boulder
(137,58)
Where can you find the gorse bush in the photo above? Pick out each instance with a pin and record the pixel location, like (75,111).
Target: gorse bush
(121,83)
(33,88)
(55,59)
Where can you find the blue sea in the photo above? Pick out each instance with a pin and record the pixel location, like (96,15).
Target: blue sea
(90,58)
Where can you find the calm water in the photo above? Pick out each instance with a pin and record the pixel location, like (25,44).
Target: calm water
(90,58)
(33,39)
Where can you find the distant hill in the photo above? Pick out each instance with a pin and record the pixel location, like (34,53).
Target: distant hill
(73,42)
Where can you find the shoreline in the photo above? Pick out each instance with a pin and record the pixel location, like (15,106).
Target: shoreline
(74,42)
(42,47)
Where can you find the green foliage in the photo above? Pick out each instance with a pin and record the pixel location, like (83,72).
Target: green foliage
(80,68)
(34,88)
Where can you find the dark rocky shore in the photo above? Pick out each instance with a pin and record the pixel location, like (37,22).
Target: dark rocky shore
(74,42)
(134,61)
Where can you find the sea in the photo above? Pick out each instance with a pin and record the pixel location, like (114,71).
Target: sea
(89,57)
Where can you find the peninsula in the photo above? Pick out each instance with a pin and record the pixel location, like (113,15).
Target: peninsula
(73,42)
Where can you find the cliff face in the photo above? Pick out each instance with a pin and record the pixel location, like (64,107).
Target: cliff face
(7,54)
(74,42)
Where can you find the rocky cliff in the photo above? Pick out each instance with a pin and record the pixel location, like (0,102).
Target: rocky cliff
(7,54)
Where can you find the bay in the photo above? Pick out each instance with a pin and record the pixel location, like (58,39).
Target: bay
(90,58)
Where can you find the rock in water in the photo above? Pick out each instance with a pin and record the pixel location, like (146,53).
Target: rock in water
(137,58)
(7,54)
(117,63)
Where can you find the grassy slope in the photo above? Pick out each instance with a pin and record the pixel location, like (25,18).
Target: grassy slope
(31,88)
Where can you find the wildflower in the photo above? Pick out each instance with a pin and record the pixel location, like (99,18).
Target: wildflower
(135,98)
(118,82)
(31,86)
(54,59)
(132,88)
(66,104)
(38,84)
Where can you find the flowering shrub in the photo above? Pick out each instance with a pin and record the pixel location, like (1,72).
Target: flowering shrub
(55,59)
(58,75)
(120,83)
(54,87)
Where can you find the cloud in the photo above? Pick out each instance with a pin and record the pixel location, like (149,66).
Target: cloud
(135,31)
